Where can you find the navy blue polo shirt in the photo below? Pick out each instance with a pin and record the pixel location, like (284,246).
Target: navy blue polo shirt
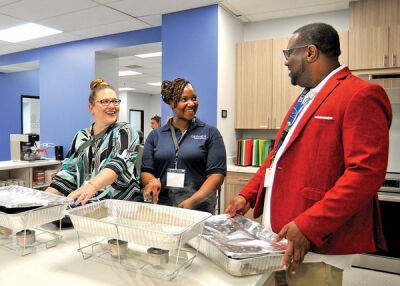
(201,153)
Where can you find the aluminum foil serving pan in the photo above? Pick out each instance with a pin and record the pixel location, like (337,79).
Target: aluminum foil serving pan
(241,246)
(22,208)
(145,224)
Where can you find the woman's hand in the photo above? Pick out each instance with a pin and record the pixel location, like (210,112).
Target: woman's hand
(187,204)
(83,194)
(152,190)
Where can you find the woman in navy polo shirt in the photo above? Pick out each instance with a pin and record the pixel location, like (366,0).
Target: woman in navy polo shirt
(184,161)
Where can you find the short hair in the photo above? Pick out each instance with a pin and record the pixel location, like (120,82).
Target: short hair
(96,85)
(321,35)
(171,91)
(156,118)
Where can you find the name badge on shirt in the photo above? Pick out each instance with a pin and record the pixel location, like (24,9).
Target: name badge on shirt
(268,178)
(176,178)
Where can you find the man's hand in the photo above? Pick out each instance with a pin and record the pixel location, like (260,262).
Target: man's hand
(297,247)
(239,205)
(152,190)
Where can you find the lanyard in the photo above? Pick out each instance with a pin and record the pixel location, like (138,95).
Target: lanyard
(176,143)
(92,141)
(301,102)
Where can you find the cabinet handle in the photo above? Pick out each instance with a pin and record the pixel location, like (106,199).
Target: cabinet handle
(385,58)
(393,59)
(243,180)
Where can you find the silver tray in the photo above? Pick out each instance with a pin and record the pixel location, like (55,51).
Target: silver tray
(240,246)
(34,217)
(145,224)
(241,267)
(19,197)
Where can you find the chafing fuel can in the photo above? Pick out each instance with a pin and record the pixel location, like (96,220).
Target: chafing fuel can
(157,256)
(118,247)
(4,231)
(25,237)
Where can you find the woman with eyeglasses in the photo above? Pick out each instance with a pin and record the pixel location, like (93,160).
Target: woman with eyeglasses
(102,157)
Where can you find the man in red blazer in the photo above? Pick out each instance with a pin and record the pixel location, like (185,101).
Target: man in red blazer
(318,187)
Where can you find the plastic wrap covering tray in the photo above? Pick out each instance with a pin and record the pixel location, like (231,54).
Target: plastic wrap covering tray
(240,246)
(145,224)
(29,208)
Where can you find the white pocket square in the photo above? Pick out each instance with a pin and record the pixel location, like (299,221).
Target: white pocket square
(324,117)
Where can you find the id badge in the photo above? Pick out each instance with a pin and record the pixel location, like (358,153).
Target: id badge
(176,178)
(268,178)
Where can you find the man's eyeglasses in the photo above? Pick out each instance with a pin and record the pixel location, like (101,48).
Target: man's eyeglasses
(287,53)
(106,102)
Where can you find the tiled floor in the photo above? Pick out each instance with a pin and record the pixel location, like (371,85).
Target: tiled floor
(364,277)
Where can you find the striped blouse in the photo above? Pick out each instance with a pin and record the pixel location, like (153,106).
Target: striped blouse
(116,149)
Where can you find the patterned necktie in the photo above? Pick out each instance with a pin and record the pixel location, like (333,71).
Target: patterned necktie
(298,107)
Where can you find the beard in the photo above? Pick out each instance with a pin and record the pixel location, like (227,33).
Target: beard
(294,79)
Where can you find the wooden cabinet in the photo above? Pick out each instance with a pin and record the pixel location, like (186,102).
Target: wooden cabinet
(253,85)
(234,183)
(374,34)
(394,45)
(284,93)
(264,92)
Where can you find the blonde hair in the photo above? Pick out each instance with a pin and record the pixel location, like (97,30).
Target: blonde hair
(96,85)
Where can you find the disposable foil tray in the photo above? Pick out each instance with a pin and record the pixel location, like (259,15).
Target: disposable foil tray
(145,224)
(240,246)
(19,216)
(21,197)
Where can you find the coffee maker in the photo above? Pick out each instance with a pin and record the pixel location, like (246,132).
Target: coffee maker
(23,147)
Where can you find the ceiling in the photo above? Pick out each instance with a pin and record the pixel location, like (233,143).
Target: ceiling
(149,67)
(83,19)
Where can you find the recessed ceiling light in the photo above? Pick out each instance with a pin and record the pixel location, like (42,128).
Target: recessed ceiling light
(154,83)
(126,73)
(149,55)
(126,88)
(26,32)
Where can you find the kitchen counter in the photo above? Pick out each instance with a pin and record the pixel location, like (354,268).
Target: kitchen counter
(10,165)
(241,169)
(64,265)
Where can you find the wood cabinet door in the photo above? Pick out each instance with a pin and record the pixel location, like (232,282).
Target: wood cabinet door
(394,46)
(253,84)
(368,48)
(234,183)
(344,47)
(284,93)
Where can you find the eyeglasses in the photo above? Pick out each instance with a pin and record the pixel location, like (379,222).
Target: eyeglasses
(287,53)
(106,102)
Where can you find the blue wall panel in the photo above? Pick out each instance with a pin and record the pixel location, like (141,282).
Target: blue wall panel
(12,86)
(66,71)
(190,50)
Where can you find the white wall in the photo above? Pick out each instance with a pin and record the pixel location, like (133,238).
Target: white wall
(151,104)
(230,32)
(107,67)
(284,27)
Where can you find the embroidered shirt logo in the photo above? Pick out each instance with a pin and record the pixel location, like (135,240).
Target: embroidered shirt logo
(199,137)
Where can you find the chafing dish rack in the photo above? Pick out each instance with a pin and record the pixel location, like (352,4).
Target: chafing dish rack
(145,227)
(240,246)
(25,210)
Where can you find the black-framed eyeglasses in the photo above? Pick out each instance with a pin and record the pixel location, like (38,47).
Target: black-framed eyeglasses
(288,52)
(106,102)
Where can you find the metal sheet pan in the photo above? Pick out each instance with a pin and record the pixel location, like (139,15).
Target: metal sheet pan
(145,224)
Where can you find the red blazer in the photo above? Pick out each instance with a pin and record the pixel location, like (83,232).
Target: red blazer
(328,176)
